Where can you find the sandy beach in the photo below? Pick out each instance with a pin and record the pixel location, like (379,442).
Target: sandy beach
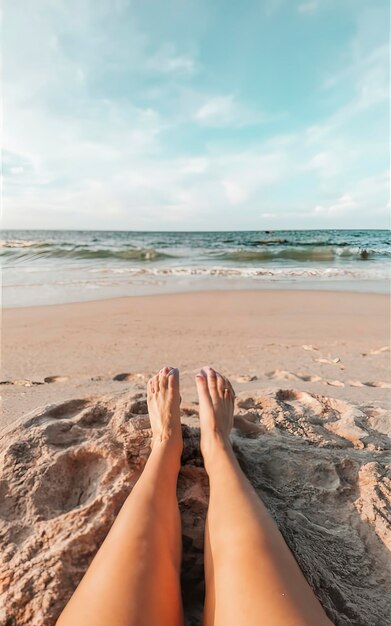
(333,343)
(312,428)
(189,186)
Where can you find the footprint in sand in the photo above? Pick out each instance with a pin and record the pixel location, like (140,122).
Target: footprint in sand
(21,383)
(33,383)
(70,482)
(285,375)
(55,379)
(380,384)
(127,376)
(245,378)
(328,361)
(378,351)
(377,384)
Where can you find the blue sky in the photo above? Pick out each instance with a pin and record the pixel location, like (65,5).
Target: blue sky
(178,114)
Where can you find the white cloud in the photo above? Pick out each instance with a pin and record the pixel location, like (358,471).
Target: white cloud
(234,193)
(17,169)
(369,88)
(369,197)
(76,157)
(196,165)
(272,6)
(335,156)
(222,111)
(168,61)
(217,111)
(343,204)
(308,7)
(80,76)
(366,68)
(323,162)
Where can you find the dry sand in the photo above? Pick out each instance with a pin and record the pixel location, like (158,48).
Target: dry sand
(312,433)
(329,342)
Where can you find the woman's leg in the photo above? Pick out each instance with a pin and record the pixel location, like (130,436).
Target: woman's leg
(251,576)
(134,577)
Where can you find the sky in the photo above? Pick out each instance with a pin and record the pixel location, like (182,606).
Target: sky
(195,114)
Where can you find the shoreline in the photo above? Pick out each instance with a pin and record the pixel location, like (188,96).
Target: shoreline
(48,267)
(380,287)
(205,292)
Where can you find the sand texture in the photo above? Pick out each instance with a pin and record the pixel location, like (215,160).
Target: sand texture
(332,343)
(320,464)
(312,374)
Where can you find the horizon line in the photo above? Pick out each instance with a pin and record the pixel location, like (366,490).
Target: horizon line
(247,230)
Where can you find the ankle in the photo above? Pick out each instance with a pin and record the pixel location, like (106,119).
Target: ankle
(168,451)
(170,441)
(214,447)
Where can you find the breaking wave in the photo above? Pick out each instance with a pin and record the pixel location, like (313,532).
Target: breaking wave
(316,254)
(79,252)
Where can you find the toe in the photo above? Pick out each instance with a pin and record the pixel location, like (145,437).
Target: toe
(201,379)
(173,378)
(163,380)
(212,378)
(221,385)
(202,386)
(155,383)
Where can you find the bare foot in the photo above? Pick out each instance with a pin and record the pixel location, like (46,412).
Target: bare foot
(216,398)
(164,408)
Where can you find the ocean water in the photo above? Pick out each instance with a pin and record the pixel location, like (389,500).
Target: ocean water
(47,267)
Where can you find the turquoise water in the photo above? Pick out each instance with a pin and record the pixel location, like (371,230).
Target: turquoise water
(44,267)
